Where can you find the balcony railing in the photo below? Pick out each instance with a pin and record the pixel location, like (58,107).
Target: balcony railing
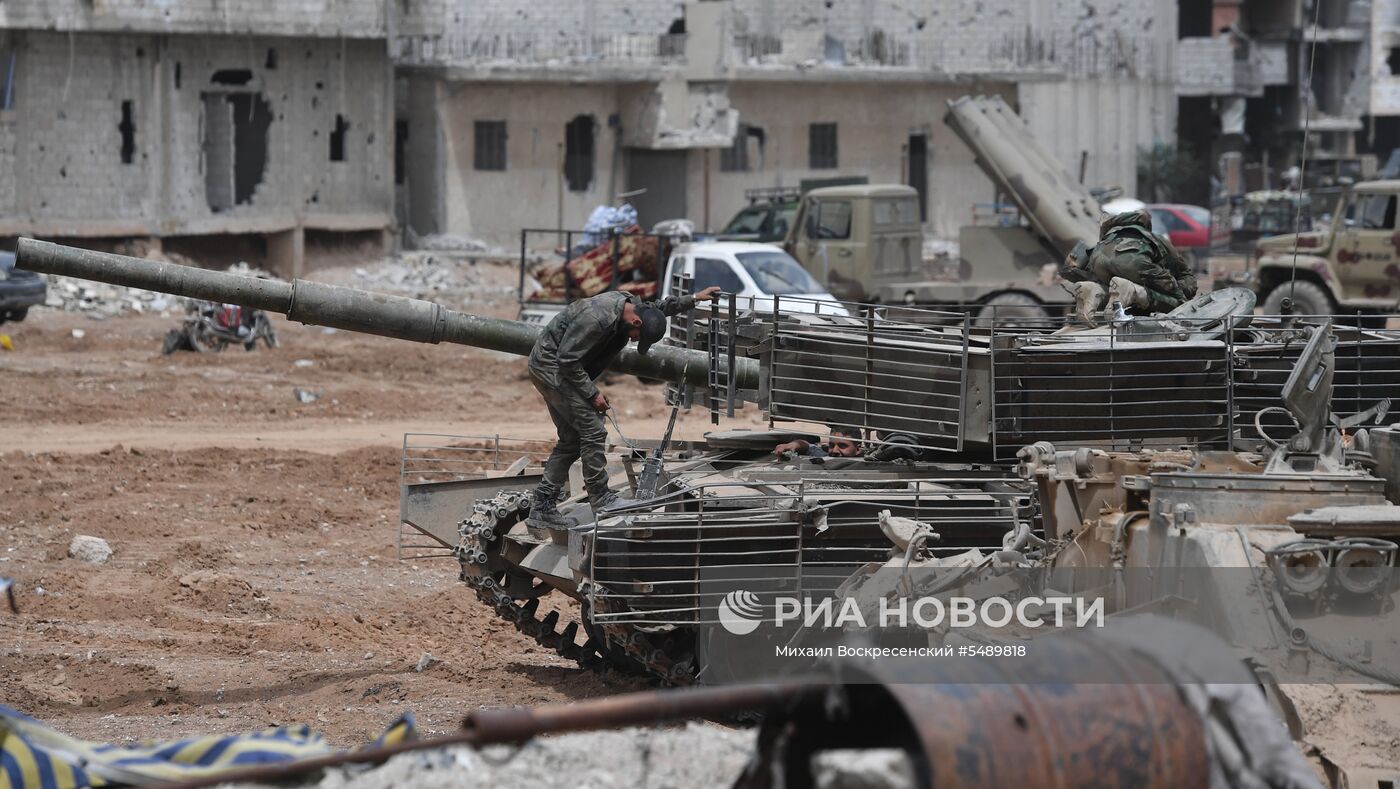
(531,49)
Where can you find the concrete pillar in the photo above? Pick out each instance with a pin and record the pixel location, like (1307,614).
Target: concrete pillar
(286,252)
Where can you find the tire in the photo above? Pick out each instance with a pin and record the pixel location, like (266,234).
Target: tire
(174,341)
(1309,298)
(18,315)
(1013,309)
(199,341)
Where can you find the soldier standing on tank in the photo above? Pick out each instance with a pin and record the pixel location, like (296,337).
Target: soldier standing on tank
(1138,269)
(569,355)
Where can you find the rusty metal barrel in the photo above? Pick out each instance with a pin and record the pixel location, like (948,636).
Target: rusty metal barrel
(1016,722)
(350,309)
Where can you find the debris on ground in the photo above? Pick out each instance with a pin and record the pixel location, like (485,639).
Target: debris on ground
(694,755)
(456,280)
(93,550)
(305,395)
(6,343)
(447,242)
(303,363)
(425,662)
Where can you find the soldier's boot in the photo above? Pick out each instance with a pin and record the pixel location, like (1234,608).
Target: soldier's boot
(545,515)
(1088,299)
(1128,293)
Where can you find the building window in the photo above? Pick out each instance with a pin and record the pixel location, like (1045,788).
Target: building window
(739,157)
(490,153)
(821,146)
(400,150)
(9,61)
(338,138)
(578,153)
(128,129)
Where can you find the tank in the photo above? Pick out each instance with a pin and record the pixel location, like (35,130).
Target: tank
(1207,438)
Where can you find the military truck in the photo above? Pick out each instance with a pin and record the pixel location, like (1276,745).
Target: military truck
(1353,263)
(866,243)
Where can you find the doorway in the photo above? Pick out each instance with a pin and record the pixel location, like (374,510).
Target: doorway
(235,147)
(663,175)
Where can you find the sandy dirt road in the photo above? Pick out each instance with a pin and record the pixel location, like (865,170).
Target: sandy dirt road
(254,580)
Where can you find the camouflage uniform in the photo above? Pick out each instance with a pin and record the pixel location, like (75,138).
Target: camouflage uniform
(1129,249)
(574,349)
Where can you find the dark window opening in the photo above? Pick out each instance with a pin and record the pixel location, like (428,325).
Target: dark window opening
(178,75)
(232,76)
(1194,18)
(578,153)
(235,147)
(9,61)
(677,27)
(918,171)
(128,129)
(821,146)
(1393,61)
(271,62)
(400,151)
(740,157)
(490,146)
(338,138)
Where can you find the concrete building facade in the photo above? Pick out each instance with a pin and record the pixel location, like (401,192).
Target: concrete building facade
(154,119)
(531,114)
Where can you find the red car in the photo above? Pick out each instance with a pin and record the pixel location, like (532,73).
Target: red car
(1188,226)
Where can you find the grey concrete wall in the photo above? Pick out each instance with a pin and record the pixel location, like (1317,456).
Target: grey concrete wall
(495,205)
(324,18)
(65,154)
(874,122)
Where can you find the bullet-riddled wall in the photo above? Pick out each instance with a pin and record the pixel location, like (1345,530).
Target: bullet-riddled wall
(139,134)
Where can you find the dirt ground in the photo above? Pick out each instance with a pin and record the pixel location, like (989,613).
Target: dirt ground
(254,580)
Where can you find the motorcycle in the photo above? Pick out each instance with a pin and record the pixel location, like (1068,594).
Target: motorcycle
(210,326)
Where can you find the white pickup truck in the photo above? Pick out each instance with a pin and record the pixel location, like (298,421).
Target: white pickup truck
(755,273)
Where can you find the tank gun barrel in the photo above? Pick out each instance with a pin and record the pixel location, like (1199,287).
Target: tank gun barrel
(350,309)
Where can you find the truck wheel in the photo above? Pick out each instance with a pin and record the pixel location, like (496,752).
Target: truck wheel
(1309,298)
(18,315)
(1012,309)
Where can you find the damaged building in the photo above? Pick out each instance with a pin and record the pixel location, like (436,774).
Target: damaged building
(530,114)
(1254,75)
(270,122)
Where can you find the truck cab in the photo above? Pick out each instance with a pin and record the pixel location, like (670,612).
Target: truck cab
(756,273)
(851,237)
(1353,263)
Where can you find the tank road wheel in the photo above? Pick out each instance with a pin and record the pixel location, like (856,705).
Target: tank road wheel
(1012,309)
(667,655)
(509,591)
(1309,298)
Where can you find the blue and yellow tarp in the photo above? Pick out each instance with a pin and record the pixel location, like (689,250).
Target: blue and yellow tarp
(34,756)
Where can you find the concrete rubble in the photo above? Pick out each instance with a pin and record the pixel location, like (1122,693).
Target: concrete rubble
(694,755)
(454,279)
(93,550)
(100,301)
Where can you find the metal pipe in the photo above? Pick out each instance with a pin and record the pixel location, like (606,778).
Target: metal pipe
(504,726)
(354,310)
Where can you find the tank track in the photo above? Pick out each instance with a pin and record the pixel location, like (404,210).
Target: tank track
(501,587)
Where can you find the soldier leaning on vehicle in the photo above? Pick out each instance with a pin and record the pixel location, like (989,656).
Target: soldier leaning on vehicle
(1130,265)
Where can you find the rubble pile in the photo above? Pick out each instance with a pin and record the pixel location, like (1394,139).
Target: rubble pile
(690,755)
(100,301)
(454,281)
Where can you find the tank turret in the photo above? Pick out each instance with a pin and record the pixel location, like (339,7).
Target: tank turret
(350,309)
